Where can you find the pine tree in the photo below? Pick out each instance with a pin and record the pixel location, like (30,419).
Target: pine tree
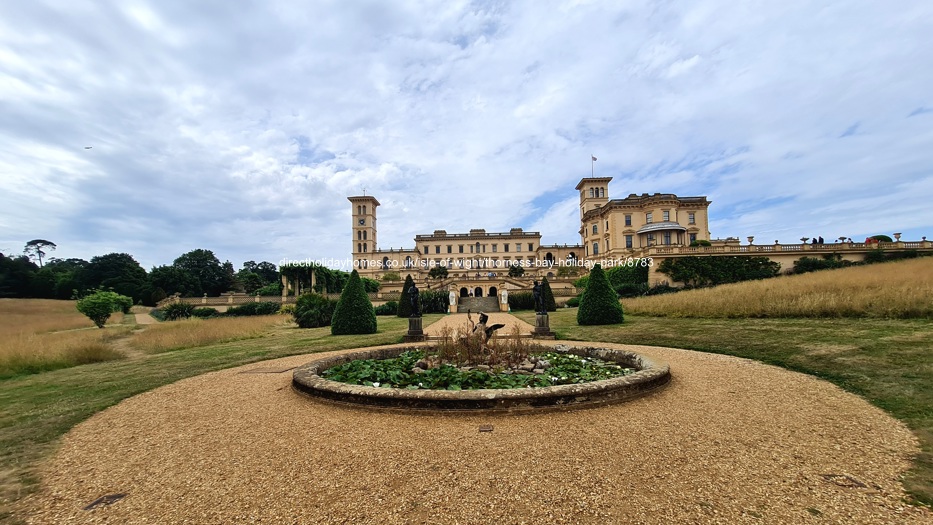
(354,313)
(599,303)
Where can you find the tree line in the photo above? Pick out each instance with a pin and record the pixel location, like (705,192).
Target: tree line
(195,273)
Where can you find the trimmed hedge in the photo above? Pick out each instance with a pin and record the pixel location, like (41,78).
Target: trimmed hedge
(354,313)
(389,308)
(434,301)
(260,308)
(599,304)
(521,301)
(313,310)
(708,271)
(205,312)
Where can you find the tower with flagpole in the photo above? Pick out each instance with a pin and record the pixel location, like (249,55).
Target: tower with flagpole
(592,165)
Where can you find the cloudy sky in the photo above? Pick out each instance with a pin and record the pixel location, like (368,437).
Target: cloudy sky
(242,127)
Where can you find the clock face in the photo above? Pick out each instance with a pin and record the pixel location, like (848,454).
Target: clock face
(362,222)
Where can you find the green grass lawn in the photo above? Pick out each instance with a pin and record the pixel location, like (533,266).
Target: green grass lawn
(886,361)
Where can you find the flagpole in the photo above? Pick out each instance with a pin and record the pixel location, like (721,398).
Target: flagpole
(592,165)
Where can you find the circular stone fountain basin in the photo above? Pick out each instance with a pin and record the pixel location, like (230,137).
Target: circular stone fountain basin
(651,375)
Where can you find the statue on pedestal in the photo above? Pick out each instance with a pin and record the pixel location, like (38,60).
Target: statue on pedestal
(415,298)
(539,300)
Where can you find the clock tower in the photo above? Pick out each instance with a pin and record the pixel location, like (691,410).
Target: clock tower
(363,213)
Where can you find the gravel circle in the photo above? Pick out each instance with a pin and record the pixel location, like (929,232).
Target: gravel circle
(728,441)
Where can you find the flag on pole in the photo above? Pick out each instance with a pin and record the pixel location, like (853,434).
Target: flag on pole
(594,158)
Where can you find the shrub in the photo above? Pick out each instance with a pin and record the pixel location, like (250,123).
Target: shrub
(438,272)
(176,311)
(700,242)
(875,256)
(812,264)
(516,270)
(708,271)
(881,238)
(391,276)
(521,301)
(205,312)
(99,305)
(313,310)
(434,301)
(661,289)
(547,296)
(354,313)
(260,308)
(404,304)
(573,302)
(271,289)
(389,308)
(287,309)
(370,285)
(599,304)
(157,295)
(632,289)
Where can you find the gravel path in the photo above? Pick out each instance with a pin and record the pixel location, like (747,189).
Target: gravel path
(729,441)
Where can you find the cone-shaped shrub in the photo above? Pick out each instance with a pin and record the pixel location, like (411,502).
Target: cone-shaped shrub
(404,302)
(354,313)
(547,296)
(599,303)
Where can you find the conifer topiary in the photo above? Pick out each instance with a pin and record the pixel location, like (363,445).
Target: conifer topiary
(599,303)
(354,313)
(547,296)
(404,302)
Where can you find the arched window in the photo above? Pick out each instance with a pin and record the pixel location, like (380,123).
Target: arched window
(385,262)
(364,247)
(408,262)
(364,210)
(359,235)
(359,247)
(364,235)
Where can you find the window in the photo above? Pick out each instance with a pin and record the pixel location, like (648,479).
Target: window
(667,238)
(692,218)
(648,217)
(667,215)
(607,225)
(359,235)
(591,193)
(365,235)
(628,220)
(607,245)
(505,247)
(531,247)
(359,246)
(437,249)
(595,228)
(595,248)
(495,248)
(693,238)
(364,210)
(450,248)
(461,248)
(650,239)
(628,241)
(364,247)
(518,246)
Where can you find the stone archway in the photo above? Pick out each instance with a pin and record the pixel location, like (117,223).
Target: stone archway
(478,292)
(464,292)
(493,292)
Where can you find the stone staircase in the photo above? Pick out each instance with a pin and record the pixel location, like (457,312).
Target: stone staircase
(477,304)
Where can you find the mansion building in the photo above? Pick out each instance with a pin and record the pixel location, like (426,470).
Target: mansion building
(614,229)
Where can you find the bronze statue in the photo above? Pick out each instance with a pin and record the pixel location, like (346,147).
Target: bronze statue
(539,301)
(415,298)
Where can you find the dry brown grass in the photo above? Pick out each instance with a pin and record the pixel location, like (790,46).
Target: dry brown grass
(890,290)
(41,334)
(174,335)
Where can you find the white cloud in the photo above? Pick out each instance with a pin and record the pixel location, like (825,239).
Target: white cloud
(243,128)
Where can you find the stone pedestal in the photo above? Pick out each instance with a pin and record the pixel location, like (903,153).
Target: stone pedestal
(542,327)
(453,309)
(415,333)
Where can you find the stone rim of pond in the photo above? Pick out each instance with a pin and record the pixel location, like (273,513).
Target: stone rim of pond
(650,376)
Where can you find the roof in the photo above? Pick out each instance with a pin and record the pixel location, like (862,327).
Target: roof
(663,225)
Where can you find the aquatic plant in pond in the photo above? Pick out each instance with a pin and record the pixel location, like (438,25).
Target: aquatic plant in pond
(415,370)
